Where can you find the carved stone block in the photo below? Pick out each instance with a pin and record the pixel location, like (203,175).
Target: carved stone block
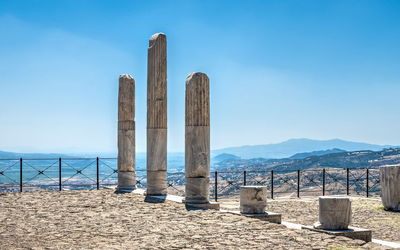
(253,199)
(334,213)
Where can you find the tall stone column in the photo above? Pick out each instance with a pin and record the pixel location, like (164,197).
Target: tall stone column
(157,115)
(126,134)
(197,138)
(390,187)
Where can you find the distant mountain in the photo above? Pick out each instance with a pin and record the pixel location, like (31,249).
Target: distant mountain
(294,146)
(225,157)
(316,153)
(12,155)
(356,159)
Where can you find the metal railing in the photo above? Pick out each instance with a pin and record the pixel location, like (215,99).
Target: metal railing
(96,173)
(297,183)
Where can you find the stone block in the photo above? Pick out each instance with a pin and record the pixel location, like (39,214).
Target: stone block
(334,213)
(267,216)
(351,232)
(390,187)
(209,205)
(197,190)
(253,199)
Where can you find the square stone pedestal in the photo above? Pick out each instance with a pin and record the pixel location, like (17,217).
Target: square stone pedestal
(352,233)
(267,216)
(210,205)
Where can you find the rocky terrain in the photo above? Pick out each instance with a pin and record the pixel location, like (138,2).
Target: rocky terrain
(104,220)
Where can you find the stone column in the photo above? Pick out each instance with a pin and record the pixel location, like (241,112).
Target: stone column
(157,115)
(390,187)
(253,199)
(334,213)
(126,134)
(197,138)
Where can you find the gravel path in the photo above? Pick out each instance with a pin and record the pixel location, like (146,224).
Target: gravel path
(102,219)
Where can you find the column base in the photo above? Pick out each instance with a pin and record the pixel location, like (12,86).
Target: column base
(156,183)
(267,216)
(126,182)
(208,205)
(351,232)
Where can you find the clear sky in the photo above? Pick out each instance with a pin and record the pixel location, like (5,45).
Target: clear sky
(278,70)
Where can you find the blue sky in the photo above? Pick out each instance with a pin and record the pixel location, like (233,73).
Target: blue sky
(278,70)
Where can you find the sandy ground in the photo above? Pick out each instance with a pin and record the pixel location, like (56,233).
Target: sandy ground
(366,213)
(104,220)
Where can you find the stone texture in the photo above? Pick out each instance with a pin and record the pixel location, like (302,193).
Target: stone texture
(197,190)
(253,199)
(197,151)
(334,213)
(390,187)
(126,134)
(157,149)
(158,183)
(157,114)
(197,138)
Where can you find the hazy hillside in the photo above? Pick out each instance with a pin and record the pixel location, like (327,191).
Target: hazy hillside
(357,159)
(12,155)
(225,157)
(294,146)
(316,153)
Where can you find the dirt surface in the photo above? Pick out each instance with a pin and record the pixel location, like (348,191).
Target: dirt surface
(367,213)
(102,219)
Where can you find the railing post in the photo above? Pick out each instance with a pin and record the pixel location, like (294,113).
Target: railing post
(272,184)
(298,183)
(347,181)
(216,186)
(323,182)
(20,174)
(367,182)
(59,175)
(97,173)
(244,178)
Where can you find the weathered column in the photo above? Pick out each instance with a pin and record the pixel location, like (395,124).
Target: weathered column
(126,134)
(253,199)
(390,187)
(157,115)
(197,138)
(334,213)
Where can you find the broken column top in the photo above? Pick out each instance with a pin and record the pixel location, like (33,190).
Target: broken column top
(197,100)
(126,76)
(155,37)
